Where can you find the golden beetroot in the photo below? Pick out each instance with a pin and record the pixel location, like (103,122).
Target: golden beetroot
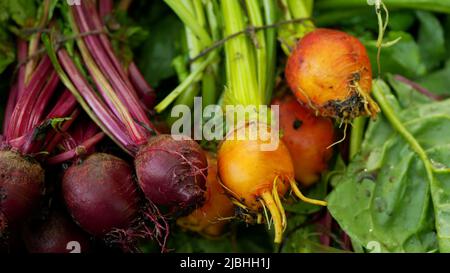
(210,219)
(307,137)
(330,71)
(256,178)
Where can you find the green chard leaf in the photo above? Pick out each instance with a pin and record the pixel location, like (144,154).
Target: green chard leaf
(4,15)
(439,81)
(4,88)
(442,6)
(7,50)
(317,191)
(401,20)
(242,239)
(447,36)
(126,35)
(404,58)
(158,51)
(303,240)
(23,12)
(430,39)
(52,6)
(307,240)
(386,195)
(407,96)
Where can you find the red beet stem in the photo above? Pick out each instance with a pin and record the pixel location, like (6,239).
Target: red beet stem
(116,74)
(107,118)
(171,173)
(17,142)
(22,55)
(113,70)
(84,130)
(105,8)
(95,22)
(88,99)
(146,92)
(81,139)
(78,151)
(12,99)
(17,90)
(326,222)
(105,79)
(30,144)
(21,115)
(64,106)
(41,104)
(107,90)
(54,139)
(419,88)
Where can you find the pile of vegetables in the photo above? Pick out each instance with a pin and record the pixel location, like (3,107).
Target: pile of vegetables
(349,101)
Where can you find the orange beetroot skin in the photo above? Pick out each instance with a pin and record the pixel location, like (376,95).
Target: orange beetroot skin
(307,138)
(100,194)
(330,71)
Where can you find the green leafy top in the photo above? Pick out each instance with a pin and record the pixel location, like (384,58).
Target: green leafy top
(23,12)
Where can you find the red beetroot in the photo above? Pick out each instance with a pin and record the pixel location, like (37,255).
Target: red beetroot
(104,185)
(26,131)
(100,193)
(55,234)
(4,240)
(180,188)
(10,241)
(21,184)
(210,219)
(3,223)
(170,172)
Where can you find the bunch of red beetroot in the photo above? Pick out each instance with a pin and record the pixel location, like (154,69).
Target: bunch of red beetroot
(58,192)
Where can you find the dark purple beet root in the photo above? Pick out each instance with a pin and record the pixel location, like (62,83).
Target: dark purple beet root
(21,186)
(3,224)
(100,194)
(172,172)
(10,240)
(3,232)
(55,234)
